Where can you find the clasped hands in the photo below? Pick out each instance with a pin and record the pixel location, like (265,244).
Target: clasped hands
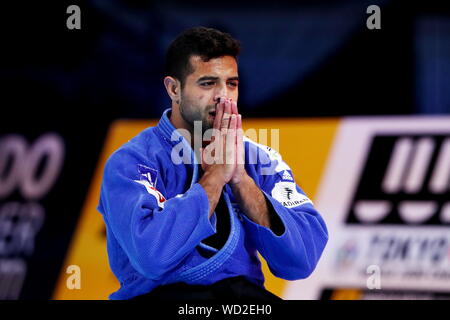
(225,155)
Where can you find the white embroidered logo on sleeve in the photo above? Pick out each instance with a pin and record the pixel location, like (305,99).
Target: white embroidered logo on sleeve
(148,178)
(286,193)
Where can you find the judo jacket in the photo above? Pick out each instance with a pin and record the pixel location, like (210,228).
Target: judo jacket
(156,216)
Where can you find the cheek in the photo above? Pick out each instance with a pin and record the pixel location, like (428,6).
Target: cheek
(203,99)
(235,94)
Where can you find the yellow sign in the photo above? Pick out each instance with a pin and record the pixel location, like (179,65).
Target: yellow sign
(303,143)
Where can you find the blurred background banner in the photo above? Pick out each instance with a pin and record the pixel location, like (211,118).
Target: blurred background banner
(381,183)
(306,68)
(385,194)
(87,249)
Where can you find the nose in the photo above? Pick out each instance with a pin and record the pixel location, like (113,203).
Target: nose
(220,92)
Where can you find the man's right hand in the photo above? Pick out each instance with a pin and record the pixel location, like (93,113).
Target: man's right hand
(219,157)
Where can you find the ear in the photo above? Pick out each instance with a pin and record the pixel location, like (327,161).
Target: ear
(173,88)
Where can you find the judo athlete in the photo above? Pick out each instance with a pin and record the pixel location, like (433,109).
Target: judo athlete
(185,220)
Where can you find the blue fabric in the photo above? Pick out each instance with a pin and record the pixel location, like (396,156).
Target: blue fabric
(156,216)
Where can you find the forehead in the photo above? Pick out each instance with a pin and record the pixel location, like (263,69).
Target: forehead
(221,66)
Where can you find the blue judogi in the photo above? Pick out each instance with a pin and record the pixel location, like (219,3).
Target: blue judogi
(156,216)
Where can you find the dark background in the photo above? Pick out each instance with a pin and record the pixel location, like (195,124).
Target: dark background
(312,58)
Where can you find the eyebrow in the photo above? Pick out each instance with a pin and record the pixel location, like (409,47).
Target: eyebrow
(204,78)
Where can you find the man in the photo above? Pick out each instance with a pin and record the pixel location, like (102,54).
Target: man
(185,221)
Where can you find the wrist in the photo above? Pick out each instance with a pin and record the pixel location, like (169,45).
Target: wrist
(215,177)
(245,180)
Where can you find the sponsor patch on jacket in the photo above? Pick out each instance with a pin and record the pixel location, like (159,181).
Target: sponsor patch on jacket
(287,176)
(286,193)
(148,174)
(148,178)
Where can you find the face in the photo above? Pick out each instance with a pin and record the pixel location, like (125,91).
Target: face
(211,80)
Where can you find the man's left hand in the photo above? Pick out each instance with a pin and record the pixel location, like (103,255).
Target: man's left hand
(239,174)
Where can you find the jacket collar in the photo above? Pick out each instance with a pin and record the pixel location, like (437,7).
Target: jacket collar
(172,136)
(169,132)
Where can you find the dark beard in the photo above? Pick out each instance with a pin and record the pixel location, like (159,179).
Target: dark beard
(190,116)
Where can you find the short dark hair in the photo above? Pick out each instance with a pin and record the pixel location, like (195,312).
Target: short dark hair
(208,43)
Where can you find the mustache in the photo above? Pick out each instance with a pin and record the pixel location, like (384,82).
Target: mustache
(213,108)
(210,109)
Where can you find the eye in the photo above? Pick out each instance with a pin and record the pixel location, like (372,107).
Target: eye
(233,84)
(207,83)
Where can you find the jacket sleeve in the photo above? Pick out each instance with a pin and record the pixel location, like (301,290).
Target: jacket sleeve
(155,233)
(294,252)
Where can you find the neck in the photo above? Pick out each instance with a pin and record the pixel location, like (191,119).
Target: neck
(179,123)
